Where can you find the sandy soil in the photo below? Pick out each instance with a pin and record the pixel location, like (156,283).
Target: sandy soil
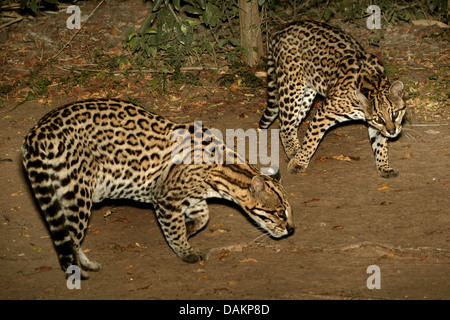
(347,218)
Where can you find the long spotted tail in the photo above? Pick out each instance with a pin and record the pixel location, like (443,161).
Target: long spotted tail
(272,109)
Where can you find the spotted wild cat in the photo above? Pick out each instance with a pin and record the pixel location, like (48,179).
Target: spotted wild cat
(88,151)
(309,57)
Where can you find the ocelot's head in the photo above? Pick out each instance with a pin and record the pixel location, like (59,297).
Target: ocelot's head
(385,109)
(266,203)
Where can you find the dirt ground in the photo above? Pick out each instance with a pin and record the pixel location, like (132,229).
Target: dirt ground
(347,218)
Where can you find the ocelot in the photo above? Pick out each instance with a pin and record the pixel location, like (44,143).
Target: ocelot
(85,152)
(309,57)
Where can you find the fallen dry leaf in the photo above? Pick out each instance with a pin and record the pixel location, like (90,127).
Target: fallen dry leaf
(140,246)
(43,268)
(129,268)
(389,255)
(242,115)
(219,230)
(384,187)
(16,194)
(249,260)
(107,214)
(342,158)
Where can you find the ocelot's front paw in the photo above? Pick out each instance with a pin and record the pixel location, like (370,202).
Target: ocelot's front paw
(87,264)
(295,166)
(84,275)
(196,257)
(387,172)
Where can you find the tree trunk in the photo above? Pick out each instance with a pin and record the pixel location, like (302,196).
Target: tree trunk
(250,28)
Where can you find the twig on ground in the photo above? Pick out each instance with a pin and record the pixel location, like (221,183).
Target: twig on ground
(73,36)
(11,22)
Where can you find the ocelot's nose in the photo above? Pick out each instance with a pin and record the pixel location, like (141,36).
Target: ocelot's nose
(290,229)
(390,128)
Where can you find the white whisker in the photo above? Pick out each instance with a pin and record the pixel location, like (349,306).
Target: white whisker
(260,239)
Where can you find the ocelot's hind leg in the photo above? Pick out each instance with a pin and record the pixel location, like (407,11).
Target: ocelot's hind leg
(295,104)
(76,203)
(197,217)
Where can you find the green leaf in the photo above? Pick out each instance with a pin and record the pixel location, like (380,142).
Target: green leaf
(191,23)
(135,44)
(131,33)
(328,13)
(183,29)
(33,6)
(151,39)
(188,39)
(151,31)
(154,83)
(433,76)
(192,10)
(153,51)
(202,4)
(222,42)
(206,47)
(31,96)
(234,41)
(210,15)
(147,23)
(150,51)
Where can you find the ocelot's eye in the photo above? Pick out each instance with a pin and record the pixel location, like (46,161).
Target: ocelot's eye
(281,213)
(379,120)
(395,114)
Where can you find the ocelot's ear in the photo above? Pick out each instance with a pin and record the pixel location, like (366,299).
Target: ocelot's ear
(273,172)
(364,104)
(396,90)
(257,185)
